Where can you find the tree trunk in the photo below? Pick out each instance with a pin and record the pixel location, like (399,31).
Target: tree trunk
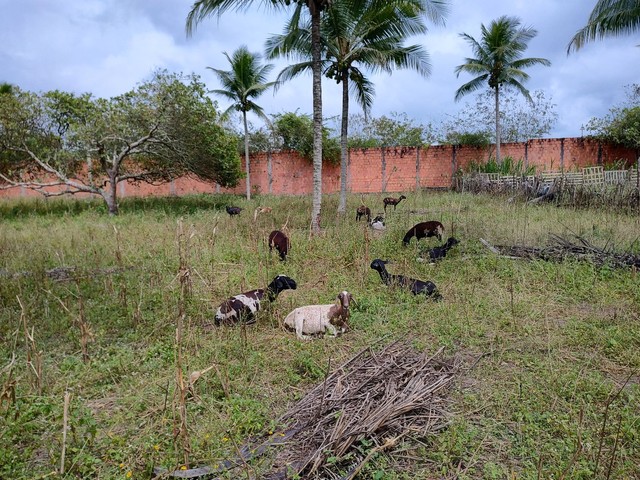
(317,117)
(344,129)
(111,195)
(246,154)
(498,123)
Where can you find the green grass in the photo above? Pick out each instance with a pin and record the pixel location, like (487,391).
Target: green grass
(556,342)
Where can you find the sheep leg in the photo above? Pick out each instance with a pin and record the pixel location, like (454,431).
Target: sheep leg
(299,325)
(331,330)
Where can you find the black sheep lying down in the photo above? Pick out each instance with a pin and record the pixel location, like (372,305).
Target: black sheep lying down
(438,253)
(243,307)
(415,286)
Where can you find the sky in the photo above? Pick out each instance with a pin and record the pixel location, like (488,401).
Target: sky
(107,47)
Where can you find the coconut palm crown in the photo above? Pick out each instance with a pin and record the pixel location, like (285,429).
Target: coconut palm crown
(498,62)
(246,81)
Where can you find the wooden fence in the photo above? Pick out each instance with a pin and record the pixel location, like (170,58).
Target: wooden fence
(589,177)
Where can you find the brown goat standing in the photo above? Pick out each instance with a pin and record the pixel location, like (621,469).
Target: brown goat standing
(424,230)
(362,211)
(392,201)
(280,242)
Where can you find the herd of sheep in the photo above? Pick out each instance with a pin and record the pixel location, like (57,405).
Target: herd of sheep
(332,319)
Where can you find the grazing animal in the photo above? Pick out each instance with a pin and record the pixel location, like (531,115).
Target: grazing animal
(415,286)
(378,223)
(438,253)
(316,319)
(392,201)
(243,307)
(424,230)
(261,210)
(363,211)
(233,210)
(281,243)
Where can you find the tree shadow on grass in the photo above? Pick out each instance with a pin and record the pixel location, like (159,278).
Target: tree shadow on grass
(61,207)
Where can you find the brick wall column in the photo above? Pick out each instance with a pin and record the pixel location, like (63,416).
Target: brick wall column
(384,170)
(417,169)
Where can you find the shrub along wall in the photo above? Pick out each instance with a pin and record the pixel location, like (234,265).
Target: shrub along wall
(394,169)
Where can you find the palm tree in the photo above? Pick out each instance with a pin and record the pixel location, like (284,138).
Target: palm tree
(609,18)
(245,81)
(498,61)
(202,9)
(357,35)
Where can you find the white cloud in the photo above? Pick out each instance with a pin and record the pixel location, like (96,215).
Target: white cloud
(108,46)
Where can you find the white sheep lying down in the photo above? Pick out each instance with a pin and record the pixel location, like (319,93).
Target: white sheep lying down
(315,319)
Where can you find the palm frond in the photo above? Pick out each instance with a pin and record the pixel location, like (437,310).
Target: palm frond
(609,18)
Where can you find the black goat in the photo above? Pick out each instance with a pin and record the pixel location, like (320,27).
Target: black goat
(415,286)
(243,307)
(233,210)
(281,243)
(424,230)
(378,223)
(438,253)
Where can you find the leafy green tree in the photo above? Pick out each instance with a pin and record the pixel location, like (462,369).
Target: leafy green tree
(498,61)
(520,119)
(622,124)
(246,81)
(202,9)
(396,130)
(609,18)
(6,88)
(165,128)
(357,36)
(295,132)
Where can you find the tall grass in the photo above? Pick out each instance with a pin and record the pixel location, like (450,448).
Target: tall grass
(553,392)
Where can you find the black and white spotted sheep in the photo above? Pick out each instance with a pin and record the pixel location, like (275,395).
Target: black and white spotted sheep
(242,308)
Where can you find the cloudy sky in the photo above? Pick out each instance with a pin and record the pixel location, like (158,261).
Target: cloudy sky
(106,47)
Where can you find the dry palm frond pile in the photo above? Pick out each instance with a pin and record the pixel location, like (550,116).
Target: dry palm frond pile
(560,249)
(362,408)
(374,400)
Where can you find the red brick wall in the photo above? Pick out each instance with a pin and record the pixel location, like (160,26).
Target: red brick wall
(387,170)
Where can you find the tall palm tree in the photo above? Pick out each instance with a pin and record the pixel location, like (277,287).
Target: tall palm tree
(498,61)
(609,18)
(244,82)
(357,35)
(202,9)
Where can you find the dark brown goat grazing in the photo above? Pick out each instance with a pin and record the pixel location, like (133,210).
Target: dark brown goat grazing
(392,201)
(424,230)
(233,210)
(363,211)
(281,243)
